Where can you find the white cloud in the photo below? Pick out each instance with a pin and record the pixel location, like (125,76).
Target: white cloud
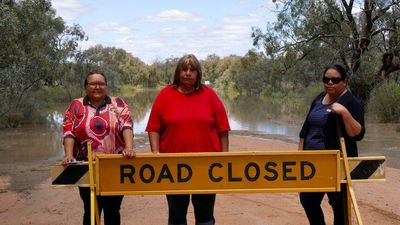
(222,41)
(110,27)
(142,44)
(198,34)
(148,48)
(270,5)
(182,30)
(232,30)
(83,45)
(173,15)
(242,19)
(69,9)
(203,41)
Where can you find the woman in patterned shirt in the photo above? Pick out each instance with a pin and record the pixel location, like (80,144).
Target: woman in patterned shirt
(104,121)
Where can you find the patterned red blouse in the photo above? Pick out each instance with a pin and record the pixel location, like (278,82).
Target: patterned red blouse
(102,126)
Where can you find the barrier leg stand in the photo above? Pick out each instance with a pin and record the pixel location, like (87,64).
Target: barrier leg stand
(94,210)
(350,190)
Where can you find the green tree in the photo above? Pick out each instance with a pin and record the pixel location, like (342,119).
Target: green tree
(154,74)
(134,72)
(209,66)
(225,69)
(107,59)
(162,72)
(121,67)
(34,46)
(353,32)
(251,74)
(381,107)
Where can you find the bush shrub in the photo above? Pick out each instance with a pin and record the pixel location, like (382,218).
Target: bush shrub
(383,105)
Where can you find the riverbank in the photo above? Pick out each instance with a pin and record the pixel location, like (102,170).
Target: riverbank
(28,198)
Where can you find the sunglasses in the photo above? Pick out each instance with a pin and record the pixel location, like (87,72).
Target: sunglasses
(334,80)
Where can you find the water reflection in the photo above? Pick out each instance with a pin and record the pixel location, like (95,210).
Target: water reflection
(264,126)
(32,142)
(43,141)
(140,125)
(382,139)
(248,113)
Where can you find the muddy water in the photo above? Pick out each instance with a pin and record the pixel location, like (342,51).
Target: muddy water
(32,142)
(35,142)
(382,139)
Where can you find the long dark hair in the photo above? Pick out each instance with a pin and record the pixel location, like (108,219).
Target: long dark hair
(183,63)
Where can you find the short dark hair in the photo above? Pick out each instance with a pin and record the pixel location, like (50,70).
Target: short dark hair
(338,67)
(94,72)
(183,63)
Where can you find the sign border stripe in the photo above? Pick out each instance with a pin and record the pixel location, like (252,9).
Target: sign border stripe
(71,175)
(366,168)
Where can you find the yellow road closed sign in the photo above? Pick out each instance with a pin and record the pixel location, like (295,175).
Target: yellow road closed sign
(232,172)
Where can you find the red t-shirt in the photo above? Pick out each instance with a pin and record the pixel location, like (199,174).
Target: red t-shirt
(188,122)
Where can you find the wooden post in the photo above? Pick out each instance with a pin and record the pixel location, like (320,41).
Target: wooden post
(349,187)
(94,210)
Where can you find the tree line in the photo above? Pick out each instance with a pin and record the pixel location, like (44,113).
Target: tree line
(362,35)
(40,60)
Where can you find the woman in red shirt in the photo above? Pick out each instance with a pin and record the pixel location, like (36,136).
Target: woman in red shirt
(188,116)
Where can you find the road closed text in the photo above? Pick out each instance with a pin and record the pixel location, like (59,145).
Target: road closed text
(219,172)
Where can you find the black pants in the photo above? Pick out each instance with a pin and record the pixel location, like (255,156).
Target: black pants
(110,204)
(203,205)
(311,203)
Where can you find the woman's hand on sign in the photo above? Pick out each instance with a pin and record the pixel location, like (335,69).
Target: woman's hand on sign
(68,160)
(129,153)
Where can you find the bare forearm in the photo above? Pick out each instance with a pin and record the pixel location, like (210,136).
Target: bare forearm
(301,144)
(128,152)
(127,134)
(224,140)
(154,138)
(69,143)
(353,128)
(69,146)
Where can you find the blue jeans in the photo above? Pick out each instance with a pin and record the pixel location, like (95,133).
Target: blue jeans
(203,205)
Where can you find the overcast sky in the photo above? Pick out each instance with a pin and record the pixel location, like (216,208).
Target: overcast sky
(152,30)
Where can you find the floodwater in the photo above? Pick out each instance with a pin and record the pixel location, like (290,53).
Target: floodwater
(43,141)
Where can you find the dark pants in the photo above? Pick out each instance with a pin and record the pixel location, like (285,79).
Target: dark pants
(110,204)
(203,205)
(312,205)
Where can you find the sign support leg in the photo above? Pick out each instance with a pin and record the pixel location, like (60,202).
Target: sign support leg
(94,210)
(349,188)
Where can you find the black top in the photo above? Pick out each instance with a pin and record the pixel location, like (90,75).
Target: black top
(331,134)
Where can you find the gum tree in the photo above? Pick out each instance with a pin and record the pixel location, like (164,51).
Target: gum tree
(34,48)
(361,34)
